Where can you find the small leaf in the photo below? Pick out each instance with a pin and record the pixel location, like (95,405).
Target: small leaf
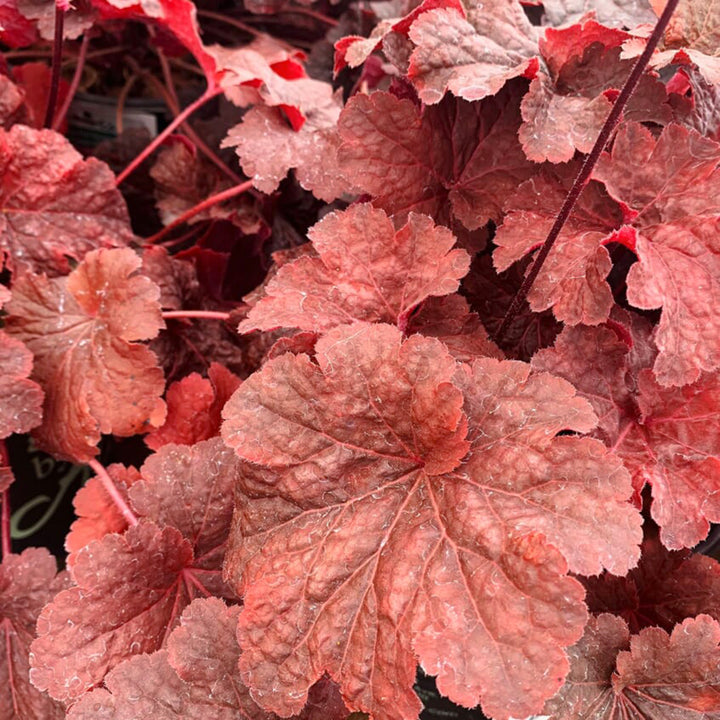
(81,331)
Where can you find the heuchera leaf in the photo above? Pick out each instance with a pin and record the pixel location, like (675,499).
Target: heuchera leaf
(268,72)
(472,54)
(20,398)
(81,331)
(55,204)
(449,319)
(664,589)
(197,677)
(613,13)
(194,405)
(377,520)
(98,515)
(665,436)
(190,488)
(565,107)
(27,582)
(268,147)
(572,280)
(16,30)
(354,50)
(130,591)
(455,160)
(693,35)
(674,677)
(671,187)
(364,270)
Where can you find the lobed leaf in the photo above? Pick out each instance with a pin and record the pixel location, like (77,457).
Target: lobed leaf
(27,582)
(388,510)
(665,436)
(56,205)
(130,590)
(80,330)
(672,202)
(650,675)
(455,160)
(364,270)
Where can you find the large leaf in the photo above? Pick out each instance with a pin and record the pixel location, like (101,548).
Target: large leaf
(387,512)
(130,592)
(671,187)
(197,677)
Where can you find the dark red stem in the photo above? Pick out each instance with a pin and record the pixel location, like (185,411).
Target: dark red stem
(77,76)
(56,66)
(208,95)
(200,207)
(588,166)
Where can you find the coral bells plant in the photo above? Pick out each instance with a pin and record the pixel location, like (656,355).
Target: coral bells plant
(415,311)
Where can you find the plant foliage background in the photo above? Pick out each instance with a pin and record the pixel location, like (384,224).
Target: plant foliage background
(345,466)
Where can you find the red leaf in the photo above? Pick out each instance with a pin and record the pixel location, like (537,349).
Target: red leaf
(382,533)
(27,582)
(659,676)
(473,55)
(586,693)
(267,72)
(694,35)
(665,436)
(130,591)
(98,515)
(664,589)
(572,280)
(364,270)
(16,30)
(565,108)
(190,488)
(671,186)
(35,79)
(81,331)
(268,148)
(490,295)
(20,398)
(55,204)
(197,677)
(450,320)
(613,13)
(194,406)
(457,159)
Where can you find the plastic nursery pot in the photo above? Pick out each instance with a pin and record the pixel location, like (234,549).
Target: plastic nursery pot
(94,118)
